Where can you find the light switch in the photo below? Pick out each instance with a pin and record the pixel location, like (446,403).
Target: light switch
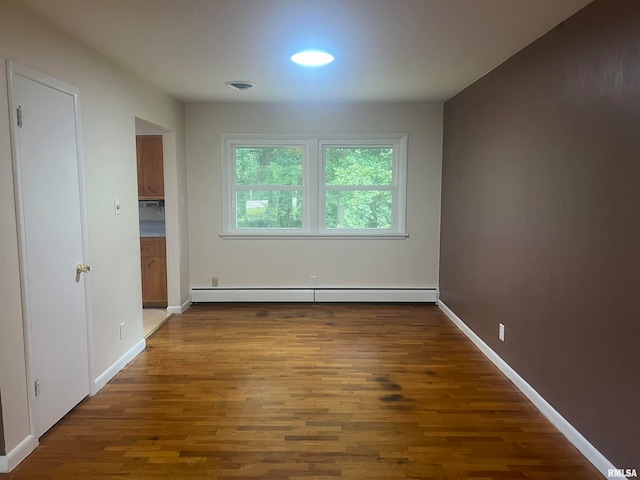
(116,206)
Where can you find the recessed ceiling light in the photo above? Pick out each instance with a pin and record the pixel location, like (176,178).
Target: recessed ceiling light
(240,85)
(312,58)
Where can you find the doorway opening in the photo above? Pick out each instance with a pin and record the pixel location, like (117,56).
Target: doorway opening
(152,218)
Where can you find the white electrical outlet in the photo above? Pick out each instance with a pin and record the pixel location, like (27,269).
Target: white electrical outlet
(501,332)
(313,281)
(122,331)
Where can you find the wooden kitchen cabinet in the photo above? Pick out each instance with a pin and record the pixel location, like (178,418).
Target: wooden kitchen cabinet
(150,166)
(154,271)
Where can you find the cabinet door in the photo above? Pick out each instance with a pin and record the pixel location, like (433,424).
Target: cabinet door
(153,246)
(154,272)
(155,280)
(150,151)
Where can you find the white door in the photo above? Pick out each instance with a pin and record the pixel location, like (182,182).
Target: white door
(51,228)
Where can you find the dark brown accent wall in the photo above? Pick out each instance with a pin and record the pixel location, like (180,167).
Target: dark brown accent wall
(541,219)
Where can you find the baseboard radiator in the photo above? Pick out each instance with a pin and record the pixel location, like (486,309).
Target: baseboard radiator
(313,295)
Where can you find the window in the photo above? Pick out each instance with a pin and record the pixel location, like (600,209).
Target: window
(268,185)
(314,186)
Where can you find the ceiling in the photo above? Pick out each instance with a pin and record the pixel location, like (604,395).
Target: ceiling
(385,50)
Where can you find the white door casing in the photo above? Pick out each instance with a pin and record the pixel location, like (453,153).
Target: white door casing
(49,187)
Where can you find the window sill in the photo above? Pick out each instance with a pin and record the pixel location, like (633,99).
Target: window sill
(314,236)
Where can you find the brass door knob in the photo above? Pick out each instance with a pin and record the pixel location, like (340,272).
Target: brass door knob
(82,268)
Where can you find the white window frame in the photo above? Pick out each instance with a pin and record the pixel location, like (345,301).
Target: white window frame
(314,184)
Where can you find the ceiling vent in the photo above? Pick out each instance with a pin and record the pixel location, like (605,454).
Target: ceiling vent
(240,85)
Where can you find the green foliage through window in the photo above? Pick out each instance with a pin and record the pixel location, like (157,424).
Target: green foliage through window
(355,208)
(359,209)
(359,165)
(257,167)
(269,209)
(268,166)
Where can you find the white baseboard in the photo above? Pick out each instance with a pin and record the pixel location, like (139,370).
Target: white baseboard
(9,461)
(376,295)
(251,295)
(177,310)
(113,370)
(310,295)
(574,436)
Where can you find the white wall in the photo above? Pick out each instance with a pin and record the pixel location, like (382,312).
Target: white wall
(111,98)
(336,263)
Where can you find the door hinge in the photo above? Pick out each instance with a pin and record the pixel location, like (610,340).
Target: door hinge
(19,115)
(36,386)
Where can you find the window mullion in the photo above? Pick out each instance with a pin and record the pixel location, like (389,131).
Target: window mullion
(269,187)
(313,192)
(359,188)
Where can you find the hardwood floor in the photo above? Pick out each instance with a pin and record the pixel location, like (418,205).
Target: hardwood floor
(307,392)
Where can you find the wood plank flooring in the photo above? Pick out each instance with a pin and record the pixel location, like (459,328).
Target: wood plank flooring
(306,392)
